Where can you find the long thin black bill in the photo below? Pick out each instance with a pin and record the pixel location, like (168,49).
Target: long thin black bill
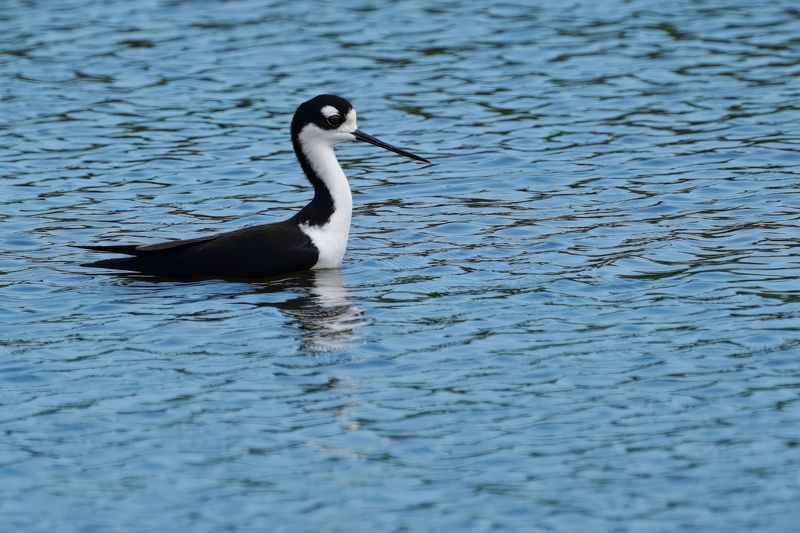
(361,136)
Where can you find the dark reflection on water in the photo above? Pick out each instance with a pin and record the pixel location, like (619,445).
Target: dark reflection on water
(584,316)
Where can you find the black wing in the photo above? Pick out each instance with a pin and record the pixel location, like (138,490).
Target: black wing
(254,252)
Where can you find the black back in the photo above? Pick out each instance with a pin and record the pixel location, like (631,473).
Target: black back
(254,252)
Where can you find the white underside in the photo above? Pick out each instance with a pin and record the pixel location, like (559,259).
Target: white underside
(330,238)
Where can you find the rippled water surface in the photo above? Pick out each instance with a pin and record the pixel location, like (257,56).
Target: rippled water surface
(584,316)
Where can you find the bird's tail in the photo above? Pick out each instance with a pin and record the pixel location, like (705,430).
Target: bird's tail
(123,263)
(127,249)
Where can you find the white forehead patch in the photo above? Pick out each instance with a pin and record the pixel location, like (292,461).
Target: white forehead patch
(329,111)
(349,123)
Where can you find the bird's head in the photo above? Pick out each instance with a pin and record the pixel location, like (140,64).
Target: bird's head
(329,120)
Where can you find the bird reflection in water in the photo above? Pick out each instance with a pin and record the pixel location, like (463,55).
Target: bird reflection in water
(318,305)
(326,320)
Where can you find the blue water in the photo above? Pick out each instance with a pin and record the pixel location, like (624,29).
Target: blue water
(584,317)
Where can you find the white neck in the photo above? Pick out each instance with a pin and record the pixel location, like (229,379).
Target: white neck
(330,238)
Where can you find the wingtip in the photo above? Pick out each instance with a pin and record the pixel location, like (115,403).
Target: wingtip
(124,249)
(123,263)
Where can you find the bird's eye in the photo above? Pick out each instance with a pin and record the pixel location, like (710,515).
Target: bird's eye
(334,120)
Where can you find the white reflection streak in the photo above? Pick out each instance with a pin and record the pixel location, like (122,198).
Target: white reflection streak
(330,321)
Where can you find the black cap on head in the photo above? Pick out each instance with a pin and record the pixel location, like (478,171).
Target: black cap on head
(327,111)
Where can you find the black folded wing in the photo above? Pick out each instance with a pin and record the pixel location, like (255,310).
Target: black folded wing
(253,252)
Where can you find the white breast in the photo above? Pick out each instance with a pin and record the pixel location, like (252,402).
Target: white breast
(330,239)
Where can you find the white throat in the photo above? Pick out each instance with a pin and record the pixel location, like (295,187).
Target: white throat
(330,238)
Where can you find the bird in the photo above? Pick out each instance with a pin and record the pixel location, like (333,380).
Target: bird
(314,238)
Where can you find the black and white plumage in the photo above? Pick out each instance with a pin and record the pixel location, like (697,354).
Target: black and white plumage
(314,238)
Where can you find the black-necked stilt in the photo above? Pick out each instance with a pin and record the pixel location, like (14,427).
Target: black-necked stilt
(314,238)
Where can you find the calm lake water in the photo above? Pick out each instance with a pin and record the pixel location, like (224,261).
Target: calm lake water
(585,316)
